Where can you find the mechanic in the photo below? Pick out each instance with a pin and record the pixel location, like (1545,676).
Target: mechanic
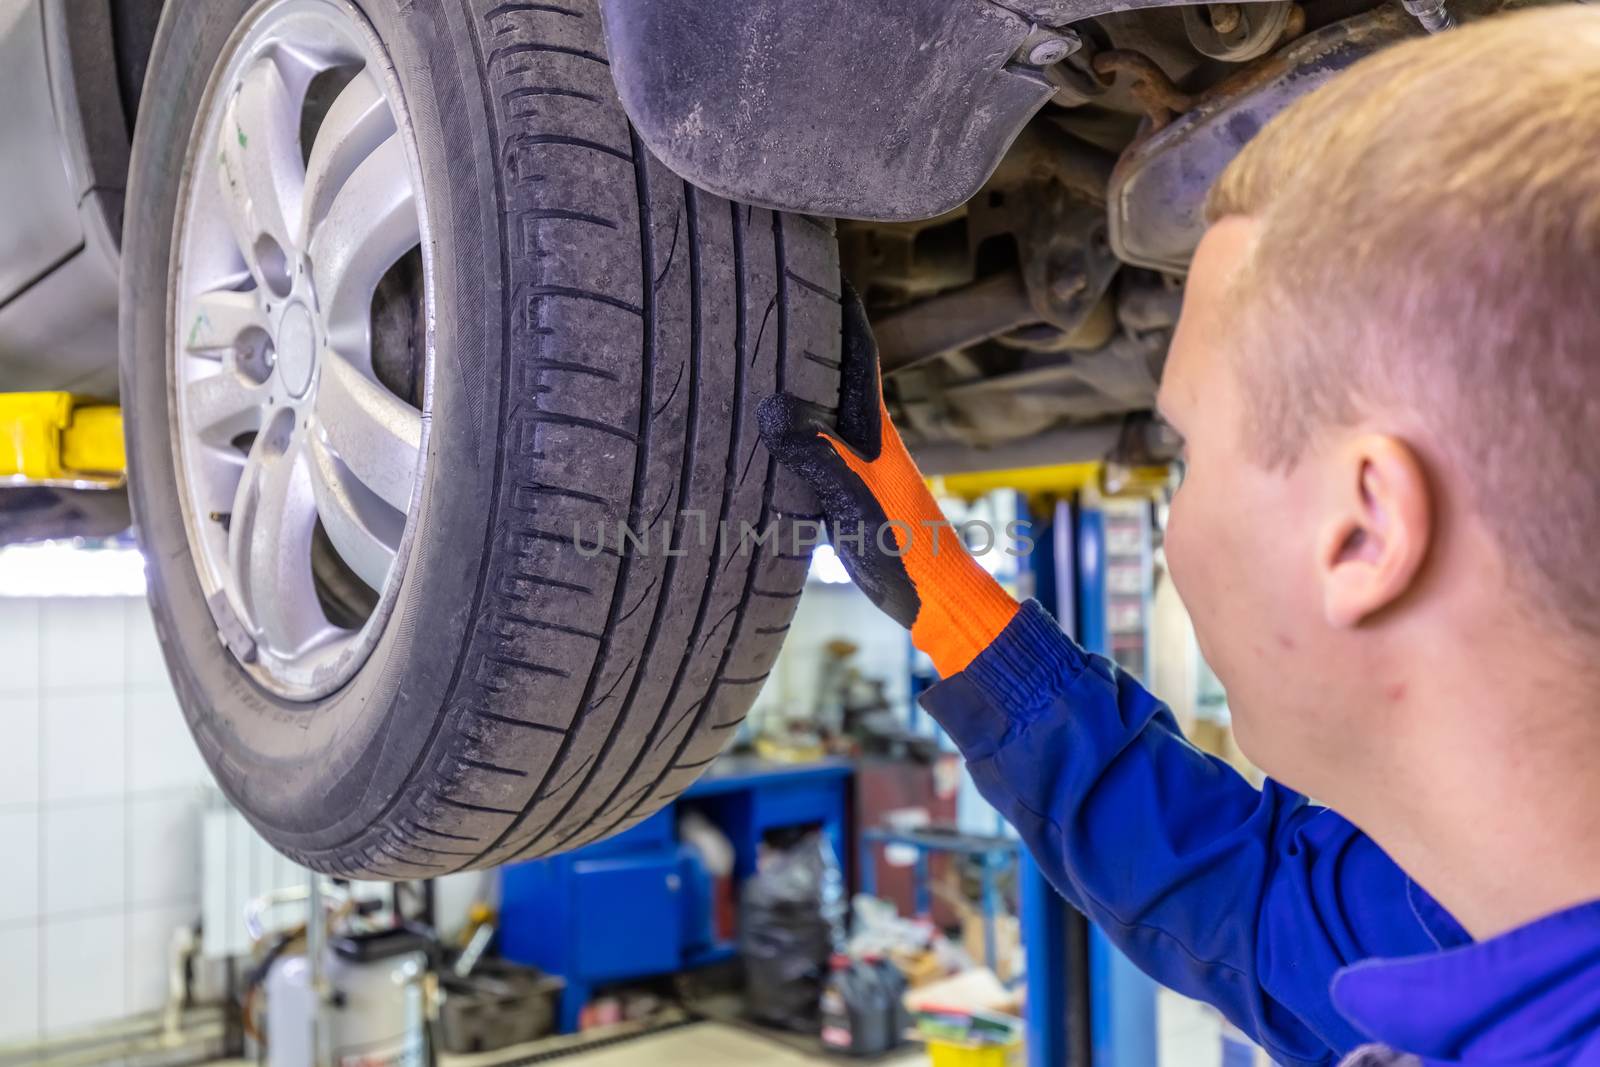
(1387,373)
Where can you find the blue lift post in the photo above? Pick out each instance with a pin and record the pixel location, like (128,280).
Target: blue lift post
(1045,918)
(1069,568)
(1123,1020)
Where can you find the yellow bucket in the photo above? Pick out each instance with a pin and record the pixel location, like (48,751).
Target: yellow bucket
(950,1054)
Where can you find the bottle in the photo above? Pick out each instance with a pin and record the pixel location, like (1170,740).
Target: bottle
(861,1012)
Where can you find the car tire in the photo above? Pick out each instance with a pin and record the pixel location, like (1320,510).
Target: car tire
(601,334)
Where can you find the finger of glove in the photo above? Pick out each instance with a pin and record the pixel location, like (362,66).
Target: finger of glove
(860,384)
(794,429)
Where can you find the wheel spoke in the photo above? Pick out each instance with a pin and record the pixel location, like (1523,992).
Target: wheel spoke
(269,545)
(364,530)
(214,480)
(223,405)
(371,223)
(356,124)
(219,320)
(377,435)
(261,173)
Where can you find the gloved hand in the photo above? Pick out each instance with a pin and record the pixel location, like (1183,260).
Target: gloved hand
(883,522)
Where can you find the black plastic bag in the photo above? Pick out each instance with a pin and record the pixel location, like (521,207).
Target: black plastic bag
(791,922)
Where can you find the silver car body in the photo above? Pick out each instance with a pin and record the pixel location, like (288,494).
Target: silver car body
(63,169)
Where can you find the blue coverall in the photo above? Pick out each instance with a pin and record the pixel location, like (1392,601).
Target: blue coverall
(1279,912)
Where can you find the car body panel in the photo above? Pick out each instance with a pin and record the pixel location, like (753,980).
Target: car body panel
(63,155)
(33,170)
(881,109)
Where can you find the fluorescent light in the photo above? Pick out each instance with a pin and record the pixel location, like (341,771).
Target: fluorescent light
(827,567)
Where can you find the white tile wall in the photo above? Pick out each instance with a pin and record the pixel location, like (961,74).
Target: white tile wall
(161,754)
(101,790)
(82,643)
(163,849)
(19,640)
(85,972)
(84,736)
(149,941)
(145,665)
(19,978)
(85,859)
(19,754)
(19,893)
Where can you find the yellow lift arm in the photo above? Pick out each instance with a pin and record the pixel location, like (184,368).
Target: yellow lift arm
(1062,479)
(60,439)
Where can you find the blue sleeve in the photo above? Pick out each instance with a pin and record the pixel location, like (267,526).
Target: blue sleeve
(1247,899)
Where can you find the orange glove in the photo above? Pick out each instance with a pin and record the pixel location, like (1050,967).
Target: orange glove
(883,522)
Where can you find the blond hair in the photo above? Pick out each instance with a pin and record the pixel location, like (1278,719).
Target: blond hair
(1429,249)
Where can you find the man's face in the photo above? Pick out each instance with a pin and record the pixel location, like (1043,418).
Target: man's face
(1241,538)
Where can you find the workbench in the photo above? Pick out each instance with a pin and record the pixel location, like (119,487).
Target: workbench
(638,904)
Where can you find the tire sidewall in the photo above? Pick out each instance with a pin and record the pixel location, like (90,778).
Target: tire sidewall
(315,775)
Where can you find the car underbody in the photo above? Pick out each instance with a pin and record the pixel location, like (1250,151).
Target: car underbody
(1020,183)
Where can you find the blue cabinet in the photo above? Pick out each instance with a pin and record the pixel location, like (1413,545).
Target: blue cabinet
(626,916)
(600,913)
(638,904)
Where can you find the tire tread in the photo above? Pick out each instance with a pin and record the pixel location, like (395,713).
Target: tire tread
(644,321)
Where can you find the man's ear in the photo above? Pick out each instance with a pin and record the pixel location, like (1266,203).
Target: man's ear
(1378,531)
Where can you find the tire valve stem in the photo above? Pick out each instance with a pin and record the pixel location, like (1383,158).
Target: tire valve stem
(1433,14)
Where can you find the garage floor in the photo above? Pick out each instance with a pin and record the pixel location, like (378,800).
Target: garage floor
(697,1045)
(1189,1038)
(712,1045)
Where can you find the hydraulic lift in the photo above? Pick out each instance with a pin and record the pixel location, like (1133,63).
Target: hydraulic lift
(59,439)
(1087,1004)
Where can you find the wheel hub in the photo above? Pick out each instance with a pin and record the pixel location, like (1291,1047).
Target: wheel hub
(296,347)
(300,467)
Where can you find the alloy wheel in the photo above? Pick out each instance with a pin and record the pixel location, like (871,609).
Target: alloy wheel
(301,346)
